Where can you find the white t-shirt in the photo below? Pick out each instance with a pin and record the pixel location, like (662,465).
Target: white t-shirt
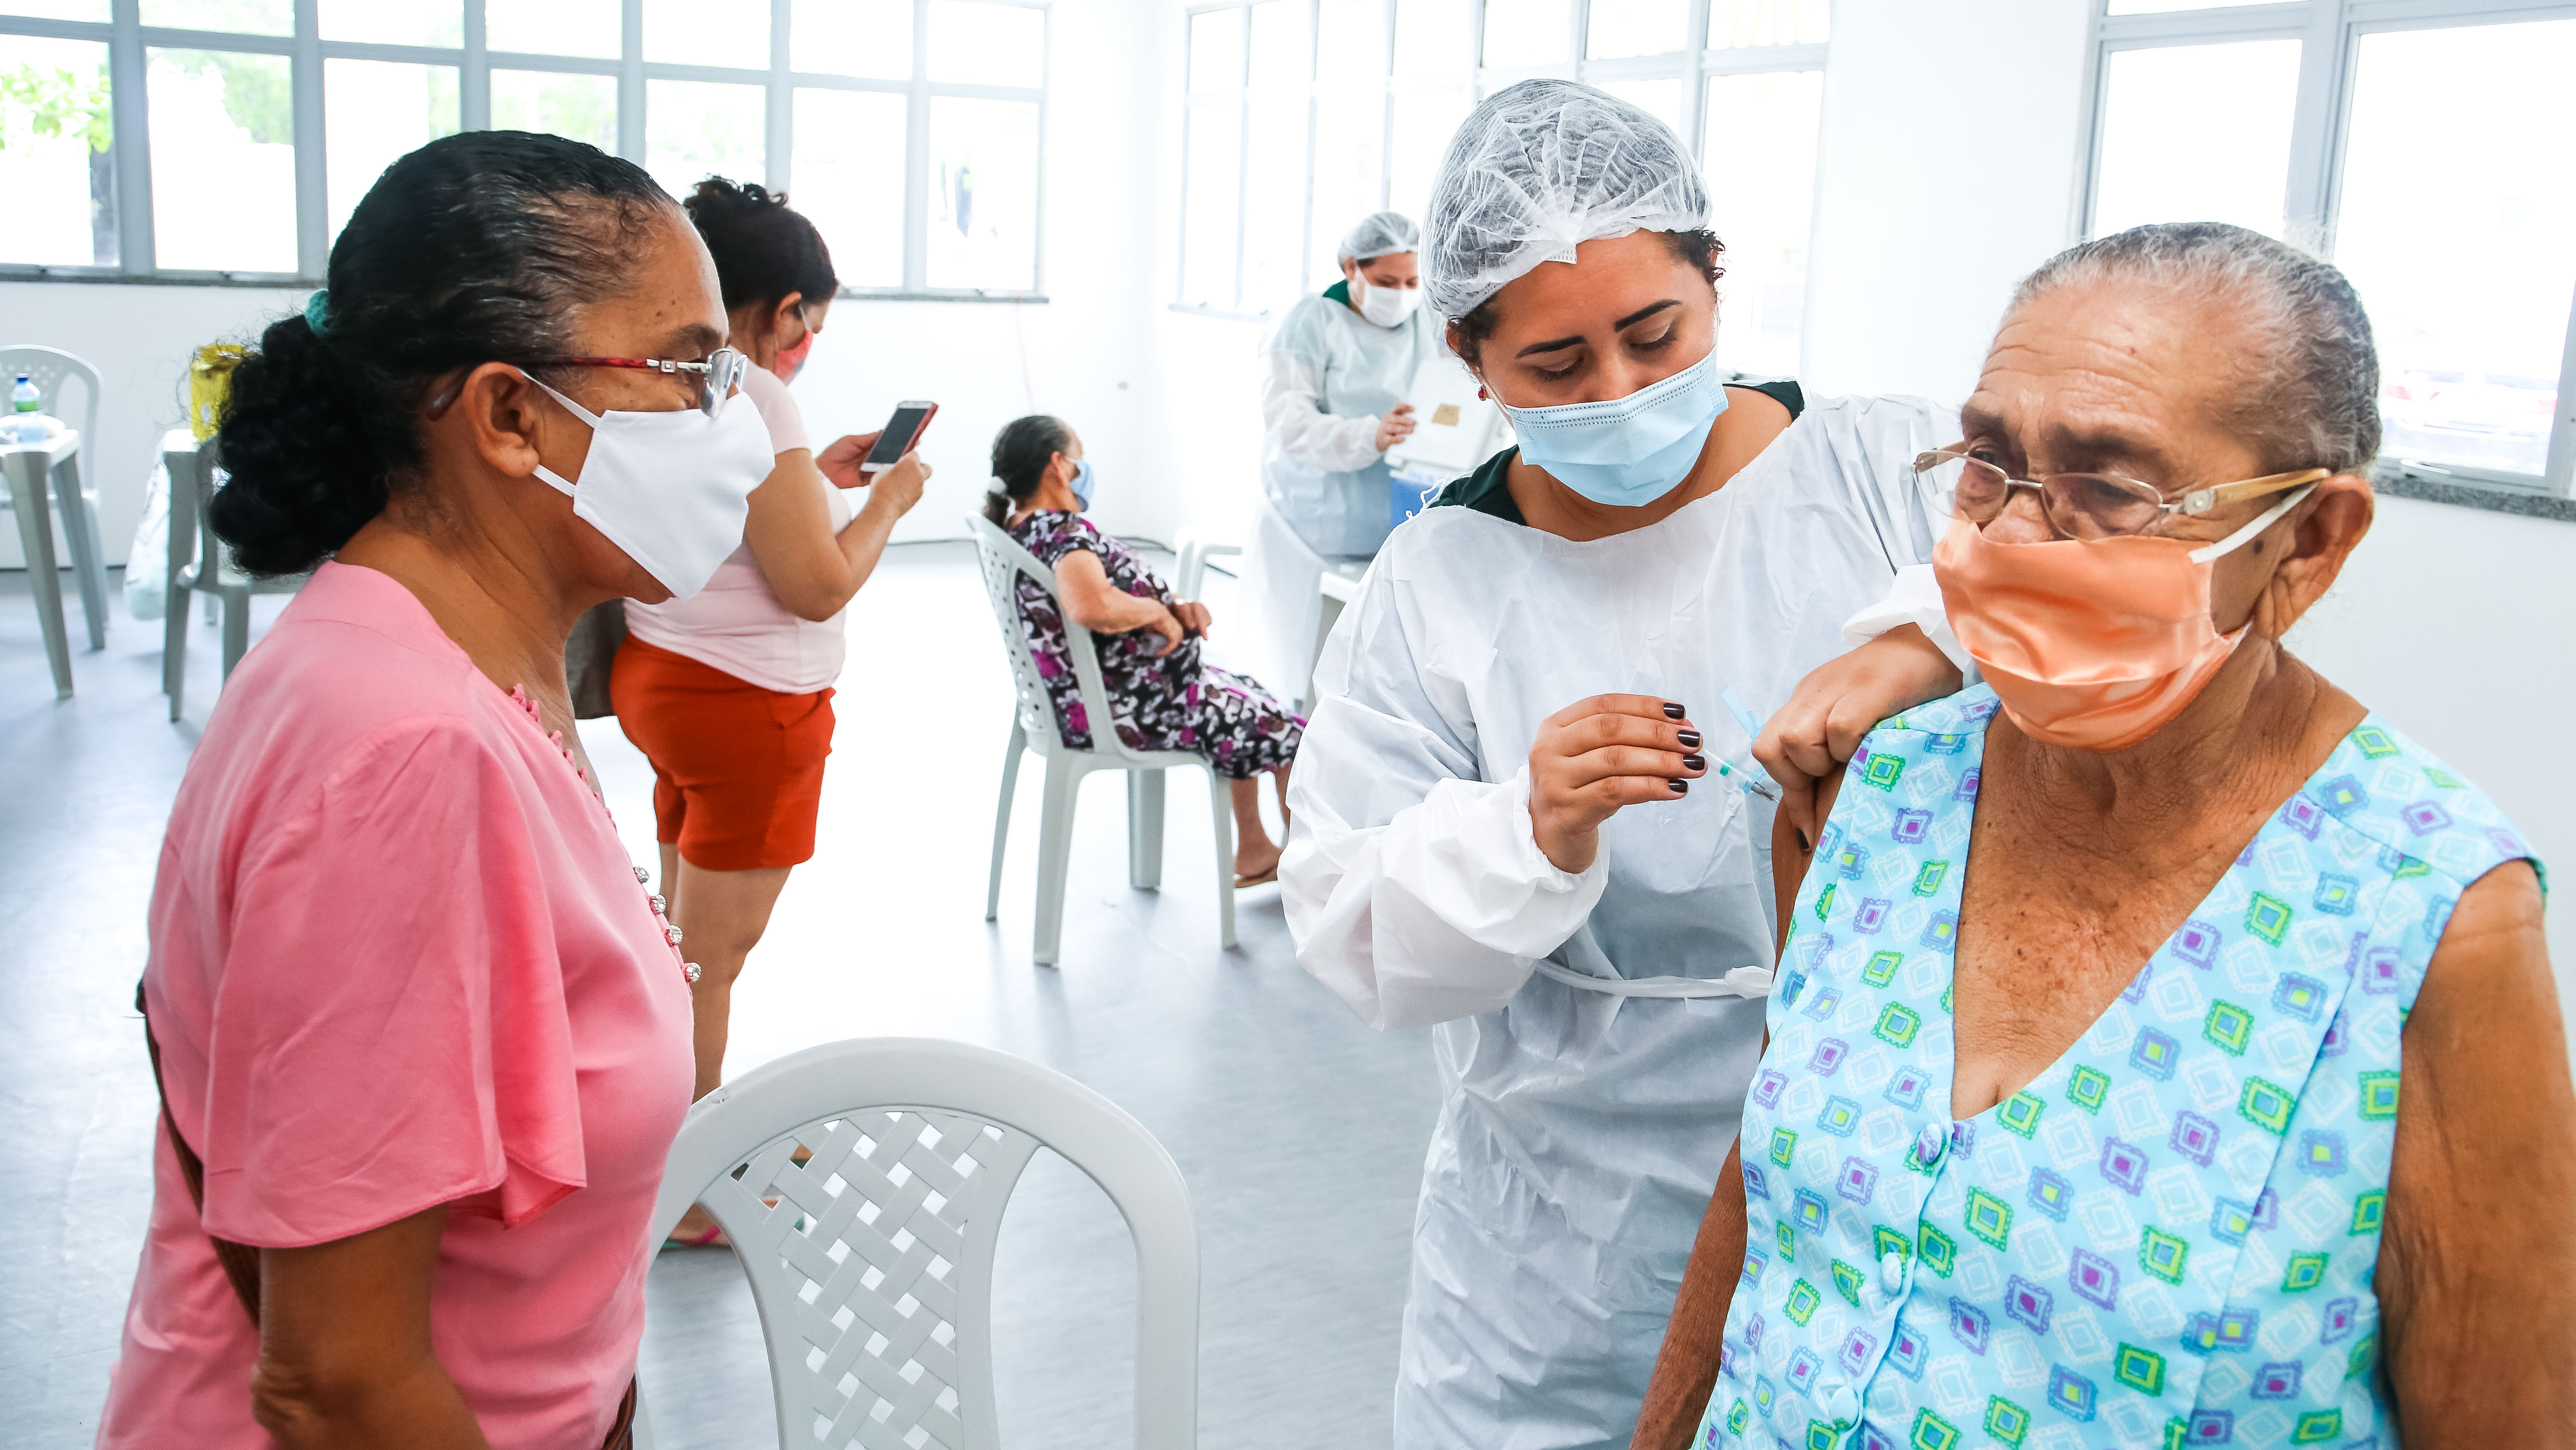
(736,623)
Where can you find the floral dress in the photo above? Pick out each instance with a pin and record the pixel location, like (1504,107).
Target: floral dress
(1175,701)
(2167,1239)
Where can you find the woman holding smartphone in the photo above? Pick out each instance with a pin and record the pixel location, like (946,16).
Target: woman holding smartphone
(729,694)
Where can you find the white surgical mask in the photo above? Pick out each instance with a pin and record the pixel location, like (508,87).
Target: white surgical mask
(1386,306)
(670,489)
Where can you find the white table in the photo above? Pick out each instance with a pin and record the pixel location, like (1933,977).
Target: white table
(28,466)
(1340,585)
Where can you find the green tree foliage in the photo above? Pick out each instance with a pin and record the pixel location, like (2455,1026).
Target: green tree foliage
(56,101)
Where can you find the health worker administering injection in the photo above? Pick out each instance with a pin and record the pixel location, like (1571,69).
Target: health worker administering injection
(1525,808)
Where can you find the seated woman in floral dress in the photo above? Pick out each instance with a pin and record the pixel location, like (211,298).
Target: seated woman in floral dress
(1164,695)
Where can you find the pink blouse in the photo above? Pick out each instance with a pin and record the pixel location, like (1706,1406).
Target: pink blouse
(400,959)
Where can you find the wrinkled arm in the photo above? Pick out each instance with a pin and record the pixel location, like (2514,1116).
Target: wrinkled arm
(1096,604)
(2477,1266)
(344,1350)
(1295,424)
(1686,1369)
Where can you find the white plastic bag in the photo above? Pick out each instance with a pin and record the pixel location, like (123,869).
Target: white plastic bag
(147,582)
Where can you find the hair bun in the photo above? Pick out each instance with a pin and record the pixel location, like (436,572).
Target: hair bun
(303,474)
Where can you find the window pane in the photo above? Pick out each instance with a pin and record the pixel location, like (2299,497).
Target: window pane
(1208,202)
(1527,32)
(2150,7)
(1350,42)
(697,129)
(707,32)
(1350,135)
(223,161)
(2197,133)
(378,111)
(849,180)
(870,38)
(243,17)
(56,163)
(94,11)
(1216,51)
(1279,58)
(1431,37)
(554,27)
(1765,126)
(380,23)
(984,193)
(1660,98)
(2460,125)
(987,45)
(1733,23)
(1424,122)
(581,107)
(1274,205)
(1636,27)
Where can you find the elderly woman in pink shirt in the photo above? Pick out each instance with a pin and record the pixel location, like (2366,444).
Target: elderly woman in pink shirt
(422,1036)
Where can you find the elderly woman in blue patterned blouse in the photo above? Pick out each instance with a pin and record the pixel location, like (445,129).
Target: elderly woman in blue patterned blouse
(2100,1142)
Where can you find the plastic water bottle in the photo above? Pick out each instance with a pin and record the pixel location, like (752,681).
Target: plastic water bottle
(24,398)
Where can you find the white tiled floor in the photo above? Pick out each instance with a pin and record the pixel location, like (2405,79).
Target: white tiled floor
(1301,1132)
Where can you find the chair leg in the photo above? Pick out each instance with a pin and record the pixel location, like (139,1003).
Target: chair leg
(1002,816)
(45,581)
(1145,829)
(80,532)
(174,645)
(1055,855)
(236,628)
(1222,803)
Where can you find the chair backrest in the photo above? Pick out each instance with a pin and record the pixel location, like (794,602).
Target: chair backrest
(1005,563)
(871,1261)
(48,368)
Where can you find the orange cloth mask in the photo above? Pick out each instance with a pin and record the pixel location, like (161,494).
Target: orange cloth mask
(2093,644)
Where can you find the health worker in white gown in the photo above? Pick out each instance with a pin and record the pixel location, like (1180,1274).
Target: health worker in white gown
(1521,812)
(1334,375)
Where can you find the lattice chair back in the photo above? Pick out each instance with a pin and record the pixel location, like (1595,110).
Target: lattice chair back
(863,1184)
(47,368)
(1004,563)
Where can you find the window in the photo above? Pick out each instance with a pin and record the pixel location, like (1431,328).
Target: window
(2412,142)
(217,139)
(1305,115)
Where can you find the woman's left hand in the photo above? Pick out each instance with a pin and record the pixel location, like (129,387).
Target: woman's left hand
(1192,615)
(839,461)
(1836,704)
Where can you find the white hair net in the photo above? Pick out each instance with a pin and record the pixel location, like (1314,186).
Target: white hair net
(1379,233)
(1538,168)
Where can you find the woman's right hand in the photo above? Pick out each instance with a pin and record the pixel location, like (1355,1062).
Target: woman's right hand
(899,488)
(1170,626)
(1596,755)
(1395,427)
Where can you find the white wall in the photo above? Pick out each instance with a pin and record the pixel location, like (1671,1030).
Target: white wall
(1088,354)
(1951,135)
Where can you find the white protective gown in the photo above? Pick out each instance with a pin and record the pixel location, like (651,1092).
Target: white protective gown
(1582,1132)
(1328,377)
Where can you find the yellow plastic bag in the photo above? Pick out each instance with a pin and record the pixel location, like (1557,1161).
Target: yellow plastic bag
(210,379)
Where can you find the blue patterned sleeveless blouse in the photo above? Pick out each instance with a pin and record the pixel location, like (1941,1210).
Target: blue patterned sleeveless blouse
(2168,1238)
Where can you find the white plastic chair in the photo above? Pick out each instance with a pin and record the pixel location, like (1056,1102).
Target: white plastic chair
(1194,552)
(872,1262)
(200,563)
(75,499)
(1033,728)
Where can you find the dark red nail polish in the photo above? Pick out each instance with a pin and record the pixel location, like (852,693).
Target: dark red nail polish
(1680,787)
(1690,739)
(1673,711)
(1694,762)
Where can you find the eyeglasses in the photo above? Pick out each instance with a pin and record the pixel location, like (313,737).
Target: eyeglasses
(716,376)
(2085,505)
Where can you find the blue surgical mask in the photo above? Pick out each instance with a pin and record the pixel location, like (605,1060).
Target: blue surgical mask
(1626,451)
(1080,483)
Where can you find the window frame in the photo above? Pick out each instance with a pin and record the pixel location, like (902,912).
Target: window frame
(1694,65)
(129,41)
(2330,34)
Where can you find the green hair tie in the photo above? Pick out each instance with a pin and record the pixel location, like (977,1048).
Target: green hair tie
(317,310)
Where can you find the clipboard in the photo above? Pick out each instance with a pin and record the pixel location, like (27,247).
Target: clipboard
(1454,430)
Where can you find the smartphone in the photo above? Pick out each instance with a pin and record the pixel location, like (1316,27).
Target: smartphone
(902,434)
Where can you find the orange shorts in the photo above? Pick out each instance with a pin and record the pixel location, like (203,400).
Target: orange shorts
(737,770)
